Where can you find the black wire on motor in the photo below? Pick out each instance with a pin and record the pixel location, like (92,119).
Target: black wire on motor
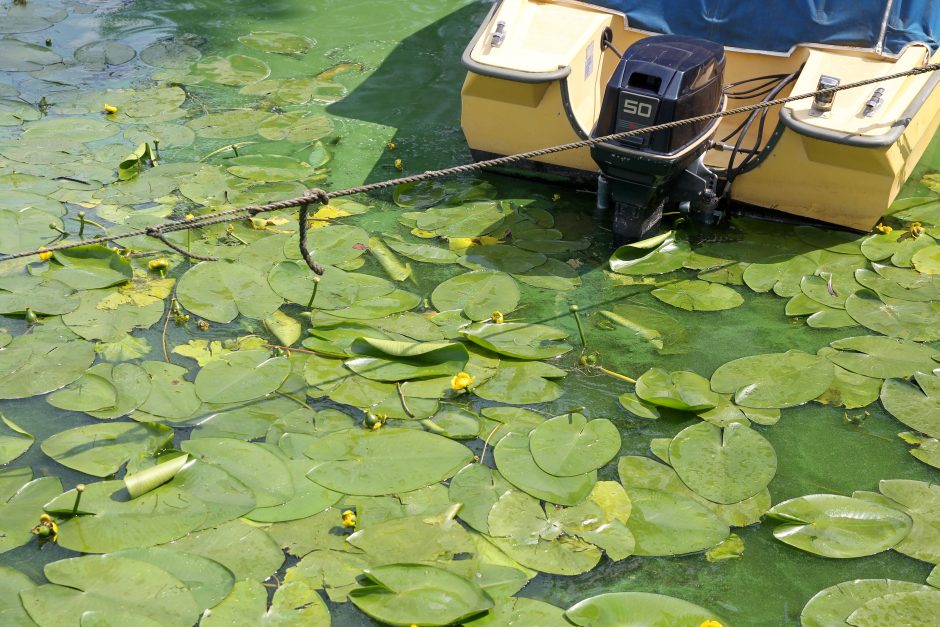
(732,172)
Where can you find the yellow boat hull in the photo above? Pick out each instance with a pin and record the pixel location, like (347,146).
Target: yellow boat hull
(845,169)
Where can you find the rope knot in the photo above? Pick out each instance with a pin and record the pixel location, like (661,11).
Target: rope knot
(318,195)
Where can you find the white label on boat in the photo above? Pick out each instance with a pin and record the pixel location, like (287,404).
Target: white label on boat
(589,61)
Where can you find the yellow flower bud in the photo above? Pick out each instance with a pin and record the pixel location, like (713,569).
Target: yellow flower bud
(556,197)
(158,265)
(189,216)
(883,228)
(45,255)
(497,317)
(399,165)
(110,108)
(710,623)
(461,381)
(390,145)
(349,518)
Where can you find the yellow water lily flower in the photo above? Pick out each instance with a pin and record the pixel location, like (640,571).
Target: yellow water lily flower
(883,228)
(47,530)
(497,317)
(710,623)
(556,197)
(917,229)
(110,108)
(461,381)
(390,145)
(349,518)
(45,255)
(399,165)
(189,216)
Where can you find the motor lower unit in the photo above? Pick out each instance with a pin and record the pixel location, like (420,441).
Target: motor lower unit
(659,79)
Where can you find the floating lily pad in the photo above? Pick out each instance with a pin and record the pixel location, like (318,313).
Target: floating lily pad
(265,473)
(637,609)
(241,376)
(883,357)
(170,54)
(917,406)
(425,253)
(32,365)
(657,255)
(16,112)
(774,380)
(19,510)
(90,267)
(387,461)
(783,277)
(522,383)
(281,43)
(518,339)
(921,501)
(723,465)
(99,54)
(478,294)
(269,168)
(685,391)
(670,524)
(296,126)
(14,441)
(236,69)
(403,594)
(171,396)
(229,124)
(42,297)
(833,605)
(501,257)
(258,555)
(838,526)
(516,463)
(19,56)
(89,393)
(102,449)
(896,318)
(388,360)
(899,608)
(220,291)
(478,487)
(572,445)
(695,295)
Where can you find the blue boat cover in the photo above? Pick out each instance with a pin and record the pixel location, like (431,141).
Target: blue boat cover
(778,25)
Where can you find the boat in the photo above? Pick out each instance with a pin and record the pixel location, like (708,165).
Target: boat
(549,72)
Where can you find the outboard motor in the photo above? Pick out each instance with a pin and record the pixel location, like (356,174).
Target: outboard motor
(659,79)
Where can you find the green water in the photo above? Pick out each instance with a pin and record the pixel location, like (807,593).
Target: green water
(409,93)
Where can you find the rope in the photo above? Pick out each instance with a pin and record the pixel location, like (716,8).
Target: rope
(323,197)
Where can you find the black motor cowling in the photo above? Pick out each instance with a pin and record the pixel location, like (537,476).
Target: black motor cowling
(659,79)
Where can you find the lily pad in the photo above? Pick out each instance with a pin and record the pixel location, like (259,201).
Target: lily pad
(19,511)
(515,462)
(833,605)
(723,465)
(229,124)
(522,383)
(657,255)
(265,473)
(927,260)
(670,524)
(32,364)
(112,585)
(387,461)
(14,441)
(518,339)
(99,54)
(571,445)
(774,380)
(91,267)
(838,526)
(241,376)
(899,608)
(695,295)
(685,391)
(220,291)
(102,449)
(280,43)
(406,594)
(883,357)
(637,609)
(19,56)
(235,69)
(917,406)
(501,257)
(896,318)
(388,360)
(921,501)
(478,487)
(478,294)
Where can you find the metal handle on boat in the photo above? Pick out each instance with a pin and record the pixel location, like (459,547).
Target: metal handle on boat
(499,35)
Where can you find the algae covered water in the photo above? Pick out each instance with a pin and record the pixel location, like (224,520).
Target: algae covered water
(803,353)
